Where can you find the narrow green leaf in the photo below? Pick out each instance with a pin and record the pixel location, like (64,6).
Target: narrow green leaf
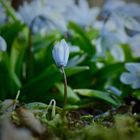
(83,38)
(10,11)
(8,85)
(136,94)
(76,60)
(109,70)
(17,56)
(10,31)
(72,97)
(127,51)
(40,106)
(41,83)
(96,94)
(5,78)
(74,70)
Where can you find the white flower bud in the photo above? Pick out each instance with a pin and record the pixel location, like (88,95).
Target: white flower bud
(60,53)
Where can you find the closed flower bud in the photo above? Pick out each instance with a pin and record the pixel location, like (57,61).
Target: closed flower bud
(60,53)
(3,45)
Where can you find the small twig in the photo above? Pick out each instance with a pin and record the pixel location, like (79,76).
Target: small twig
(15,101)
(53,105)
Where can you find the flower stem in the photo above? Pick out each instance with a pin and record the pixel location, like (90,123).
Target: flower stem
(29,60)
(65,87)
(29,66)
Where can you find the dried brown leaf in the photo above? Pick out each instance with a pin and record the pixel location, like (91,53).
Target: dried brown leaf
(28,120)
(10,132)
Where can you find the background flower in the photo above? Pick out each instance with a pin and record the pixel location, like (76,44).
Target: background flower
(132,77)
(51,16)
(123,15)
(82,14)
(109,41)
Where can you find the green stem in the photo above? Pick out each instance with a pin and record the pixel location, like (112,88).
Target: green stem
(30,57)
(29,65)
(29,60)
(65,87)
(9,10)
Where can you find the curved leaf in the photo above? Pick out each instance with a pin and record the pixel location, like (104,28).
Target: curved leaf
(83,38)
(96,94)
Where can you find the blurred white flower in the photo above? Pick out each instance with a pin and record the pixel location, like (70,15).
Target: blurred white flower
(124,20)
(98,25)
(59,5)
(82,14)
(108,41)
(130,9)
(51,17)
(111,5)
(123,14)
(28,11)
(60,53)
(134,43)
(58,20)
(58,13)
(132,77)
(120,33)
(3,45)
